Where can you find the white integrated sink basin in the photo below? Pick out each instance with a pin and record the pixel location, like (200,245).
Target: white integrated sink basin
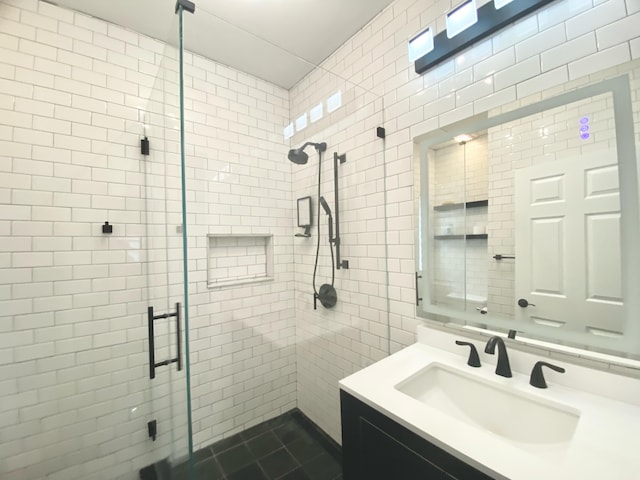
(506,412)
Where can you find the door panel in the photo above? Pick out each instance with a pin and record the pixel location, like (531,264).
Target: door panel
(568,243)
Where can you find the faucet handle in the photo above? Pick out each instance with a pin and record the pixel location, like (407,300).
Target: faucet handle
(474,359)
(537,377)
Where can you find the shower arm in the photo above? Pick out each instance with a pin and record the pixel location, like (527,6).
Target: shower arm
(336,240)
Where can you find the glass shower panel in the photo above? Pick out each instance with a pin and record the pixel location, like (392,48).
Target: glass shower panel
(339,103)
(252,277)
(77,400)
(162,257)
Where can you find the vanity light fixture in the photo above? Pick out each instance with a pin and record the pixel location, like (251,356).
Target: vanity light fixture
(501,3)
(467,25)
(461,18)
(420,45)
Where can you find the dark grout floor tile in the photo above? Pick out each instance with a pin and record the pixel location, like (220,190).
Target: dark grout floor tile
(290,432)
(305,449)
(250,472)
(278,463)
(202,454)
(322,467)
(255,431)
(235,458)
(297,474)
(205,470)
(264,444)
(226,443)
(288,447)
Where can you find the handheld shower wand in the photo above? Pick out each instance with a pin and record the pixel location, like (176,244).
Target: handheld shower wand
(327,210)
(326,293)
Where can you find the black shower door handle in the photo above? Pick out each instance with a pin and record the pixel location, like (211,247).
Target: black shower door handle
(152,354)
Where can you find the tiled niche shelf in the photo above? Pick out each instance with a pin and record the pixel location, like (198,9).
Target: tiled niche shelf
(459,206)
(470,236)
(239,259)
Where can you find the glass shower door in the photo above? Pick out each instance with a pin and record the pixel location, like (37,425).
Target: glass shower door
(163,265)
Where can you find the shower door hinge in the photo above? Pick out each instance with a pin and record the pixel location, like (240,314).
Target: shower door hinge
(152,427)
(186,5)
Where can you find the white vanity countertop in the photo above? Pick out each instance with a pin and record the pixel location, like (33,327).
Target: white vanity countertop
(605,444)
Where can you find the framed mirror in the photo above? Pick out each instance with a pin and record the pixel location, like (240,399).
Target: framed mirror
(529,217)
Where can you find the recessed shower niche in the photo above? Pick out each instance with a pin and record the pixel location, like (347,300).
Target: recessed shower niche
(239,259)
(458,216)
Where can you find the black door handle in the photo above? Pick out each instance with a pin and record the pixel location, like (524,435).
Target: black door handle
(524,303)
(152,357)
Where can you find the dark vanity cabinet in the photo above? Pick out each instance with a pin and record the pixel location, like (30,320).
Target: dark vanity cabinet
(374,447)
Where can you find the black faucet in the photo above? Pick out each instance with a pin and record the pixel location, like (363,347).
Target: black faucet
(537,377)
(502,368)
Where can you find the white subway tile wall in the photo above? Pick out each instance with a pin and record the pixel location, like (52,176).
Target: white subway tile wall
(77,96)
(523,59)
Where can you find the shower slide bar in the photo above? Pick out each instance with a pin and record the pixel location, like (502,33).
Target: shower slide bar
(336,240)
(152,354)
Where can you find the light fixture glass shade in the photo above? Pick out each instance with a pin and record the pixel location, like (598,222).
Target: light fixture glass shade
(501,3)
(420,45)
(461,18)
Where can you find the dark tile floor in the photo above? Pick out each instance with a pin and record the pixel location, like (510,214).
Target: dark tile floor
(289,447)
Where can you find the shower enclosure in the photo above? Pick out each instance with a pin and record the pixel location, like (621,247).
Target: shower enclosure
(189,317)
(87,391)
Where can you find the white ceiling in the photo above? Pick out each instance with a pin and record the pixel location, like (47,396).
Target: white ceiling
(277,40)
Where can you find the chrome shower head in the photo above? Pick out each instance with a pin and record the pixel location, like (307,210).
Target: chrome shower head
(297,155)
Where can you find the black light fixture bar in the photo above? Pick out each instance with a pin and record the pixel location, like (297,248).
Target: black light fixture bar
(489,21)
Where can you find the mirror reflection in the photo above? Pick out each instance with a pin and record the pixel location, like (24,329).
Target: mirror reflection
(528,215)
